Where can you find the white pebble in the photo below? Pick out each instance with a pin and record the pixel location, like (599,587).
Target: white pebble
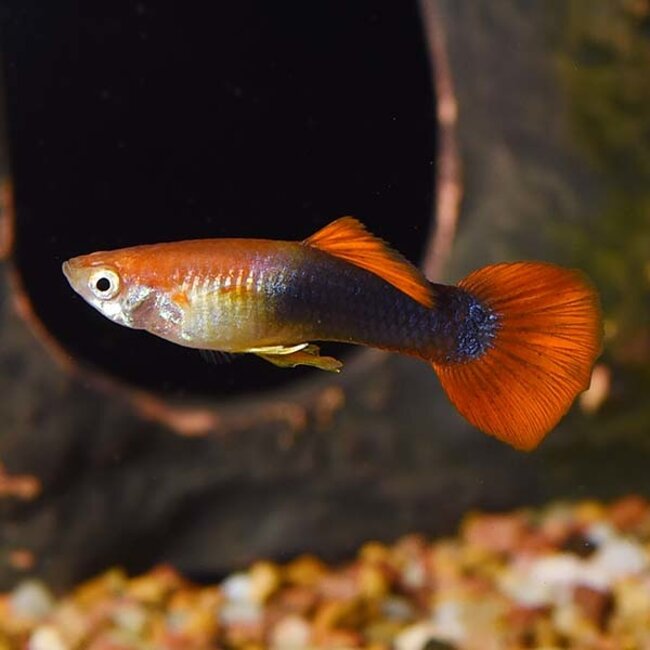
(413,574)
(31,599)
(291,633)
(620,558)
(46,638)
(240,612)
(238,587)
(600,532)
(552,579)
(543,580)
(415,637)
(448,621)
(556,571)
(131,618)
(567,618)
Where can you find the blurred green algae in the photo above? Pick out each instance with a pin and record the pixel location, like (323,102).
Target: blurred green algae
(603,64)
(603,59)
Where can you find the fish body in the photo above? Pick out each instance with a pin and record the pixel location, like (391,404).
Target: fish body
(274,298)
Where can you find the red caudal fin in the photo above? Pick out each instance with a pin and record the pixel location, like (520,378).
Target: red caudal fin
(546,342)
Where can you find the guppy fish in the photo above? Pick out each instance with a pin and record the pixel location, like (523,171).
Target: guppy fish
(512,344)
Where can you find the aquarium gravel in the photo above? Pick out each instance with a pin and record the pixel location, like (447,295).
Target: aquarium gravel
(570,575)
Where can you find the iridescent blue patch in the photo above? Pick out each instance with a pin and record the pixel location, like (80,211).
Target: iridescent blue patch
(472,328)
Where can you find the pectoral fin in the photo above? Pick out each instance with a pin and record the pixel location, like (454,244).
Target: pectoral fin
(304,355)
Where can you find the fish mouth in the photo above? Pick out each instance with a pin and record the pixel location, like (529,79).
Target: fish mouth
(72,273)
(68,271)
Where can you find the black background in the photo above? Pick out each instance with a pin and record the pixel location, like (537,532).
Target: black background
(138,122)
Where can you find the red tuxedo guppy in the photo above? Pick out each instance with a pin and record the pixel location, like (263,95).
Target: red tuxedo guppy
(513,344)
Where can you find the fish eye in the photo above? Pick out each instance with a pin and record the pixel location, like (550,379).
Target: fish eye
(104,283)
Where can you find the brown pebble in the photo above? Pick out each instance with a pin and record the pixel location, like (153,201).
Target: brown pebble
(343,585)
(107,642)
(558,523)
(496,533)
(535,543)
(340,639)
(596,605)
(295,600)
(107,584)
(333,614)
(374,552)
(382,632)
(194,611)
(521,615)
(410,546)
(522,622)
(265,580)
(374,581)
(154,587)
(627,513)
(305,570)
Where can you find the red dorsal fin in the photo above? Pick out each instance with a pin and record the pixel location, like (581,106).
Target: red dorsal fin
(349,240)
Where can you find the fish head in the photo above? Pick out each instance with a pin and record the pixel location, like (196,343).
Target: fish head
(106,284)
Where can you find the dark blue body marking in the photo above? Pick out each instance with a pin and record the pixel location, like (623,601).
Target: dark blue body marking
(338,301)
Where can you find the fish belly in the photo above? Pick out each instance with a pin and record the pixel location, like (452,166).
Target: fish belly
(236,310)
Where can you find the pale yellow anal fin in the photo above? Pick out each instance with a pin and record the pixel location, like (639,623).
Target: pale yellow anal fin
(348,239)
(277,349)
(306,355)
